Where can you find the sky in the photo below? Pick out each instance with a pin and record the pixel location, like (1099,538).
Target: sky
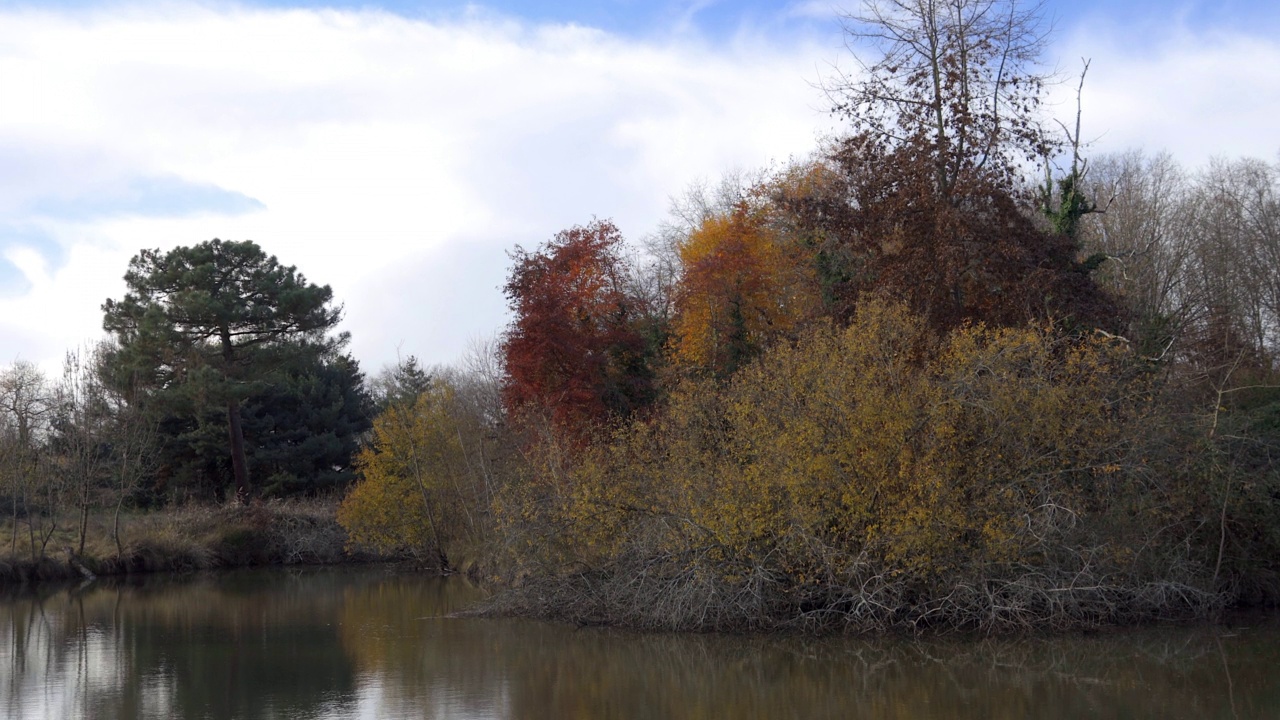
(397,150)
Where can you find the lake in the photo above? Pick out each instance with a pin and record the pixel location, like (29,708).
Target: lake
(376,643)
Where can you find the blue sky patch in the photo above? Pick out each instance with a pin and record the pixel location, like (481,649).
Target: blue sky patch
(149,197)
(723,18)
(12,282)
(12,236)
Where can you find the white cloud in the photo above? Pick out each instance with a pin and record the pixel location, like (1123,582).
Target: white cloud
(1198,93)
(396,159)
(818,9)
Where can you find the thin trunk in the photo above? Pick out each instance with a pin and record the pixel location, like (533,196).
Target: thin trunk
(115,518)
(13,542)
(466,509)
(409,434)
(115,526)
(31,533)
(84,521)
(47,533)
(939,105)
(87,469)
(31,519)
(961,39)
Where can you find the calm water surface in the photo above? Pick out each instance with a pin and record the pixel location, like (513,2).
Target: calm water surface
(374,644)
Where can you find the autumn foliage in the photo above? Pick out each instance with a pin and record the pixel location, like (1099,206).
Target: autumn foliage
(417,491)
(879,226)
(863,465)
(975,457)
(866,405)
(744,286)
(574,354)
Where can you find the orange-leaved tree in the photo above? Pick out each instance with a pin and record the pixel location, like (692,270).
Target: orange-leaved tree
(743,285)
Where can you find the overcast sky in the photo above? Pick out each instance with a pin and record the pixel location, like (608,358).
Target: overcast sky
(397,150)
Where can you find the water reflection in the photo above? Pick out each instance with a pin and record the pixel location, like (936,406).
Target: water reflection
(375,644)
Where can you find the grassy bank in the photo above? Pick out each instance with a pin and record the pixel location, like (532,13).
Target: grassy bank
(182,539)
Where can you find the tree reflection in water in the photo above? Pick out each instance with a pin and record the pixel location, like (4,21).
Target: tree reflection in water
(377,644)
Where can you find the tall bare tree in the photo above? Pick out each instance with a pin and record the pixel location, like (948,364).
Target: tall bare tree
(944,109)
(1236,220)
(81,437)
(1145,235)
(959,78)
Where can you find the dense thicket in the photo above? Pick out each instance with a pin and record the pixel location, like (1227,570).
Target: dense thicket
(880,475)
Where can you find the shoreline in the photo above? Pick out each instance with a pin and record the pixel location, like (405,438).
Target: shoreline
(513,602)
(194,539)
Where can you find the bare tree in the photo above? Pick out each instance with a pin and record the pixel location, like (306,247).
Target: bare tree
(1144,234)
(959,77)
(25,406)
(1194,255)
(478,416)
(133,442)
(1236,220)
(81,432)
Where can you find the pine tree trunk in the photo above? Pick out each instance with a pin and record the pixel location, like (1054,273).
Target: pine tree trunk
(238,464)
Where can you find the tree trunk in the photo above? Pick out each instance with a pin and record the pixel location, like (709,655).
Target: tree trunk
(84,520)
(13,545)
(238,464)
(115,527)
(31,533)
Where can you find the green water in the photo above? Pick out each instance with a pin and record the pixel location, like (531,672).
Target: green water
(375,644)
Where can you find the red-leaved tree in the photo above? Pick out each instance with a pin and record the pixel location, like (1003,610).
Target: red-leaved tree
(573,352)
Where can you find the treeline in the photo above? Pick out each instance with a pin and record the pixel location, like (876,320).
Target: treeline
(77,446)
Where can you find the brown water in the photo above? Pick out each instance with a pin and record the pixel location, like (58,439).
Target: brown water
(373,644)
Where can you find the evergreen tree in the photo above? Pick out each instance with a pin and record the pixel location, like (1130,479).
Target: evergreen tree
(204,322)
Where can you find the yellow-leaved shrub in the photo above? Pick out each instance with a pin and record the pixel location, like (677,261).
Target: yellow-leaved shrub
(416,492)
(876,454)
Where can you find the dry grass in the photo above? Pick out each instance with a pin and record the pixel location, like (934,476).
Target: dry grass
(183,539)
